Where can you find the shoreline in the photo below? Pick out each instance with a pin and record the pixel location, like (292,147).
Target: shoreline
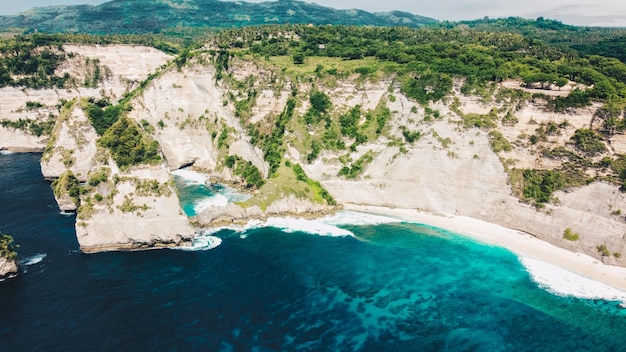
(523,245)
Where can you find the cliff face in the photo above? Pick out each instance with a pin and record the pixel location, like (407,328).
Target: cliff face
(72,146)
(454,170)
(451,166)
(8,268)
(134,208)
(187,109)
(120,69)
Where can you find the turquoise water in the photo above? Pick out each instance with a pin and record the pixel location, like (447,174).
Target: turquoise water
(196,196)
(390,287)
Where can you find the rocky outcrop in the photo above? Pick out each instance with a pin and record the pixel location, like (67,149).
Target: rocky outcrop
(73,146)
(8,258)
(453,170)
(132,210)
(8,268)
(122,68)
(233,214)
(188,113)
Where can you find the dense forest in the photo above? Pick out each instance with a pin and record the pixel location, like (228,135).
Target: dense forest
(432,57)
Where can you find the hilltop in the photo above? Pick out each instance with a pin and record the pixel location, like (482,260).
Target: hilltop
(152,16)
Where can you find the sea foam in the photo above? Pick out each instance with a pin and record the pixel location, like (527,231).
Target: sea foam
(565,283)
(5,152)
(203,242)
(314,227)
(190,176)
(217,200)
(35,259)
(347,217)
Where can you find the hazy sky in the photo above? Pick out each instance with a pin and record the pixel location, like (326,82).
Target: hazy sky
(579,12)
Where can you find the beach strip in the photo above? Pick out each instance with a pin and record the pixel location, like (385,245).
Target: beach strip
(522,244)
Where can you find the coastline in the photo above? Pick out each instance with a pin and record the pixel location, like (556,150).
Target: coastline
(524,245)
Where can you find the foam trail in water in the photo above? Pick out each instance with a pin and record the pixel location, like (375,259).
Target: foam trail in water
(37,258)
(347,217)
(190,176)
(315,227)
(5,152)
(564,283)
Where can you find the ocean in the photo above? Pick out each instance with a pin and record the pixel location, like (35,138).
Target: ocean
(349,283)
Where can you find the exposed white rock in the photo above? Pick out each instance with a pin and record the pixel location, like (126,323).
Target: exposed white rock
(233,213)
(185,108)
(467,178)
(72,148)
(132,219)
(8,268)
(123,66)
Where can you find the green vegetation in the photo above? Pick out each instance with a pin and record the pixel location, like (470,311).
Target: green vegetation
(427,60)
(189,19)
(97,177)
(498,142)
(245,169)
(223,138)
(30,61)
(320,104)
(357,167)
(33,105)
(569,235)
(34,127)
(539,185)
(145,188)
(603,250)
(545,33)
(409,136)
(316,187)
(350,124)
(128,145)
(68,184)
(486,121)
(290,179)
(588,142)
(273,148)
(7,247)
(128,206)
(102,114)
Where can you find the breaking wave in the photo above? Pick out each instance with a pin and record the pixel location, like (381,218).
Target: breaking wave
(565,283)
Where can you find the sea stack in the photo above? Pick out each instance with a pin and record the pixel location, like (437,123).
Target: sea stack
(8,258)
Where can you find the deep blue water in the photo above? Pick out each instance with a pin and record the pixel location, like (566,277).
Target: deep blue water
(395,287)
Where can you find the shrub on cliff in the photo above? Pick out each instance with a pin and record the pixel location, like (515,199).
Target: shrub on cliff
(588,142)
(7,247)
(128,145)
(570,235)
(67,183)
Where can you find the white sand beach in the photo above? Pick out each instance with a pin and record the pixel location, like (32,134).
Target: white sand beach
(542,259)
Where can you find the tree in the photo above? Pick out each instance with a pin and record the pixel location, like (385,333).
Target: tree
(7,248)
(561,82)
(298,58)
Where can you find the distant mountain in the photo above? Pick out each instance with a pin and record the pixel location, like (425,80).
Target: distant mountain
(145,16)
